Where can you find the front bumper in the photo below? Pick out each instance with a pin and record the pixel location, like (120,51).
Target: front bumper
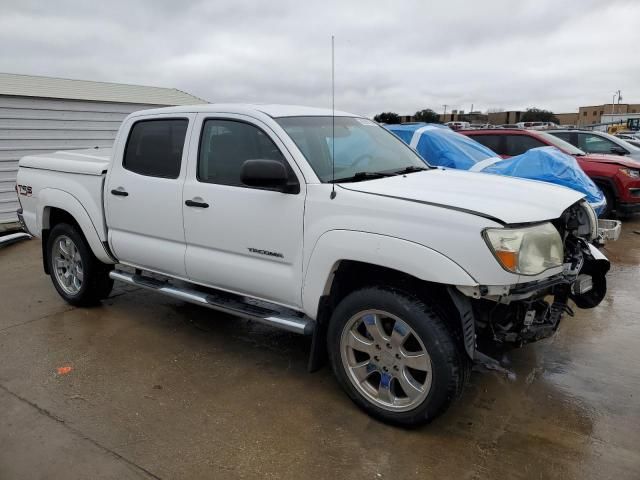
(628,208)
(525,313)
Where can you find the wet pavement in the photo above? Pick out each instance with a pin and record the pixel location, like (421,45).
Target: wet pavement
(147,387)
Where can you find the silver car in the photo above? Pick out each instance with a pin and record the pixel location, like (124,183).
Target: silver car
(597,142)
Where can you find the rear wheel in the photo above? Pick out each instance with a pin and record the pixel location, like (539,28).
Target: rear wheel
(394,356)
(78,276)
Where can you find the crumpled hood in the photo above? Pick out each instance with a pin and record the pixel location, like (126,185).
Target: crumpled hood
(506,199)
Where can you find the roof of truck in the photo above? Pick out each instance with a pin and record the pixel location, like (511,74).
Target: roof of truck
(273,110)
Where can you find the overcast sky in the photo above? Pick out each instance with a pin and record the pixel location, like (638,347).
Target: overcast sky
(397,56)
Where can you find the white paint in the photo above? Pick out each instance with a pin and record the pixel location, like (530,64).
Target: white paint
(428,224)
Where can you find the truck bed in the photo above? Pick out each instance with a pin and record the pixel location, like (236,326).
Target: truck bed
(93,161)
(59,178)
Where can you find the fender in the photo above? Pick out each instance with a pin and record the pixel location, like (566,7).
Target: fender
(382,250)
(51,197)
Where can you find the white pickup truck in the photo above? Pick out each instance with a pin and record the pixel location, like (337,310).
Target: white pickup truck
(322,225)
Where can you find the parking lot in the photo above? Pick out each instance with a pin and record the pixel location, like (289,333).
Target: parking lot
(147,387)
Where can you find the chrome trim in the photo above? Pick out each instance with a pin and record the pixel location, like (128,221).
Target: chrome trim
(285,320)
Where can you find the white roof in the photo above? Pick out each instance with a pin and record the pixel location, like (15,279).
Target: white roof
(51,87)
(272,110)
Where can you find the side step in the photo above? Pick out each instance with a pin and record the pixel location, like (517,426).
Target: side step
(252,309)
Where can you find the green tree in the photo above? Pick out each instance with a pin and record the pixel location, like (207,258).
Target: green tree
(427,115)
(387,117)
(538,115)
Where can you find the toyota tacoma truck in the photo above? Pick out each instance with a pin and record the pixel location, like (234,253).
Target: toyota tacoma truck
(403,274)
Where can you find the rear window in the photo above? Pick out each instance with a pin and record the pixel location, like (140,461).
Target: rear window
(154,147)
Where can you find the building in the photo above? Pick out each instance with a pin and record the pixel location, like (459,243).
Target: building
(502,118)
(40,114)
(594,113)
(461,116)
(567,118)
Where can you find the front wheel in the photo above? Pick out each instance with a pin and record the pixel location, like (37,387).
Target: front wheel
(394,356)
(78,276)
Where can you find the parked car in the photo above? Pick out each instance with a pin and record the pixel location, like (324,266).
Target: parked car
(597,142)
(632,138)
(458,125)
(440,146)
(537,125)
(617,176)
(402,272)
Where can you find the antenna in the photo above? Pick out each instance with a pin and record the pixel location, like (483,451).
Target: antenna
(333,123)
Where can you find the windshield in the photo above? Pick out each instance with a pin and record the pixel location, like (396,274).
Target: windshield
(566,147)
(361,147)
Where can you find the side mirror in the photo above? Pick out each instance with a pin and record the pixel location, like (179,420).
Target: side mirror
(268,174)
(618,151)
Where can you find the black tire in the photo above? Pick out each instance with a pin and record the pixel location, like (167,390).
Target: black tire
(450,365)
(611,202)
(96,284)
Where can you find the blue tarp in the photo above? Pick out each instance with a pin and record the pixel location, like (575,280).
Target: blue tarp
(441,146)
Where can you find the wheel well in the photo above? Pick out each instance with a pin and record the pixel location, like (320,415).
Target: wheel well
(607,187)
(51,217)
(352,275)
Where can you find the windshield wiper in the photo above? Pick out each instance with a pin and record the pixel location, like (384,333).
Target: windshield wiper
(356,177)
(411,169)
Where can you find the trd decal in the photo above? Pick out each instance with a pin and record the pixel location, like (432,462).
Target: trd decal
(25,190)
(265,252)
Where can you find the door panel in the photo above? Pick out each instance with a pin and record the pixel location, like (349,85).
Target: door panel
(248,240)
(143,194)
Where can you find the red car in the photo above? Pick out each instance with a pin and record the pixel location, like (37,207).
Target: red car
(618,177)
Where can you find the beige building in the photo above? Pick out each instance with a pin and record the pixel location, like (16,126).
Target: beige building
(567,118)
(461,116)
(593,114)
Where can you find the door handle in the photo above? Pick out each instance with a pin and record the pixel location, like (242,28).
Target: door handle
(193,203)
(120,193)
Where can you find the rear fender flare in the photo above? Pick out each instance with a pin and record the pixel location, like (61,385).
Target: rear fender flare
(54,198)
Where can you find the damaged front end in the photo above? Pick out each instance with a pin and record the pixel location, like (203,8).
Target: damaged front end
(511,316)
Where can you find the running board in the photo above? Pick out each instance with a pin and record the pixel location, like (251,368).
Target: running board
(249,308)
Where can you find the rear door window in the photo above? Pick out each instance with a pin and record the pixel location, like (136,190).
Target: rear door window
(519,144)
(154,147)
(566,136)
(493,142)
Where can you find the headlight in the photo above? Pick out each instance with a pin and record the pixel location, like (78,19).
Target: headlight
(630,172)
(527,251)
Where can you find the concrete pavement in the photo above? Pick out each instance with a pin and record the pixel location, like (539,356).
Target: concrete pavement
(149,387)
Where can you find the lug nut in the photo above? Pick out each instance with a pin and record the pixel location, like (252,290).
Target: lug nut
(377,346)
(388,345)
(376,358)
(385,369)
(395,367)
(398,356)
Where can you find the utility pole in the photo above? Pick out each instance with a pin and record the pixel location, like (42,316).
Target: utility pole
(444,115)
(618,94)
